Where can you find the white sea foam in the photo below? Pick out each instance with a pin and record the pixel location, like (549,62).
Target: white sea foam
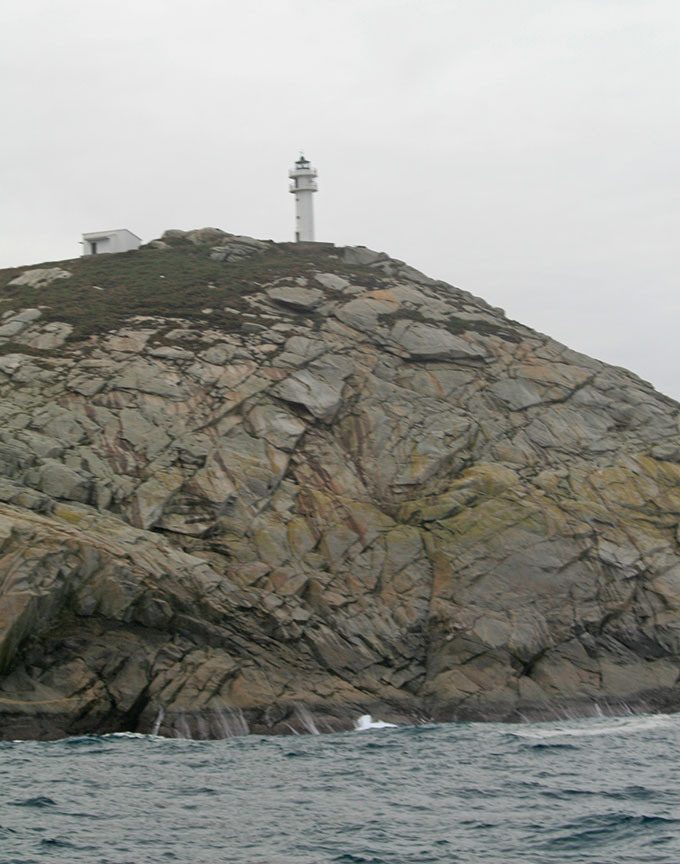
(305,719)
(610,726)
(125,735)
(367,722)
(158,721)
(232,723)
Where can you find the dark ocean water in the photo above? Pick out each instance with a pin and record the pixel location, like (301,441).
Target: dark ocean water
(598,790)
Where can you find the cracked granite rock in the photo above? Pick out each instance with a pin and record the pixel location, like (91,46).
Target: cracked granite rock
(380,497)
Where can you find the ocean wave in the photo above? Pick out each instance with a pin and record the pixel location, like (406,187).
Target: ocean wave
(128,735)
(607,827)
(367,722)
(38,801)
(594,728)
(429,794)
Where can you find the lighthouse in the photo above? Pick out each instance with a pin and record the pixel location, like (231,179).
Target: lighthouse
(303,186)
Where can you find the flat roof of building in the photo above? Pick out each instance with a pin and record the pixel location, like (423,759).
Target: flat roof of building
(108,233)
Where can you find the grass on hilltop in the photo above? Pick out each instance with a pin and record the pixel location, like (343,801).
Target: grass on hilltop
(106,290)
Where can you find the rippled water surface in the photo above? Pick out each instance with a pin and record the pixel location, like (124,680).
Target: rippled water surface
(586,791)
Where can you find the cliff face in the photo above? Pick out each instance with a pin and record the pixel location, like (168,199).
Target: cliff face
(293,485)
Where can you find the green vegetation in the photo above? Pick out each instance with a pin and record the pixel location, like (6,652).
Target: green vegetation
(106,290)
(452,324)
(487,328)
(17,348)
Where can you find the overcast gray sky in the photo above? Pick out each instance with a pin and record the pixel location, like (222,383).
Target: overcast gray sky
(526,150)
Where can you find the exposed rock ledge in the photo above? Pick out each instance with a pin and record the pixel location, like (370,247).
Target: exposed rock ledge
(374,495)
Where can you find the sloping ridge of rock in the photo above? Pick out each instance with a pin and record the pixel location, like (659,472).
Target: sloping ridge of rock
(370,493)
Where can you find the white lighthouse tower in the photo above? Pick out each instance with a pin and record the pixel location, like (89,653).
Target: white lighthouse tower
(303,187)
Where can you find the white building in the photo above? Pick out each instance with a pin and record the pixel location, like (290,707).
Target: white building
(303,187)
(121,240)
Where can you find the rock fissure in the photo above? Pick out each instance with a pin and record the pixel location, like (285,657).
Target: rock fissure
(391,499)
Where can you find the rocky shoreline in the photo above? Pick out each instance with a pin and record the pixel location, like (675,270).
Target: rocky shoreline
(359,490)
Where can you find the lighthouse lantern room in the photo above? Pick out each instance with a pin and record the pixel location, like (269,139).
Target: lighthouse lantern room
(303,186)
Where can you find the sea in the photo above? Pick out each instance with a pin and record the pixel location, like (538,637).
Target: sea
(602,790)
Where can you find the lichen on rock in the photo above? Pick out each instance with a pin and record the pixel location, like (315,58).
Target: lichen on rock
(357,490)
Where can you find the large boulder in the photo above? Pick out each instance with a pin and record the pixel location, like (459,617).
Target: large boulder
(39,277)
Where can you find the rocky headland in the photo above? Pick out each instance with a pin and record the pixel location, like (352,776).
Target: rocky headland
(268,487)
